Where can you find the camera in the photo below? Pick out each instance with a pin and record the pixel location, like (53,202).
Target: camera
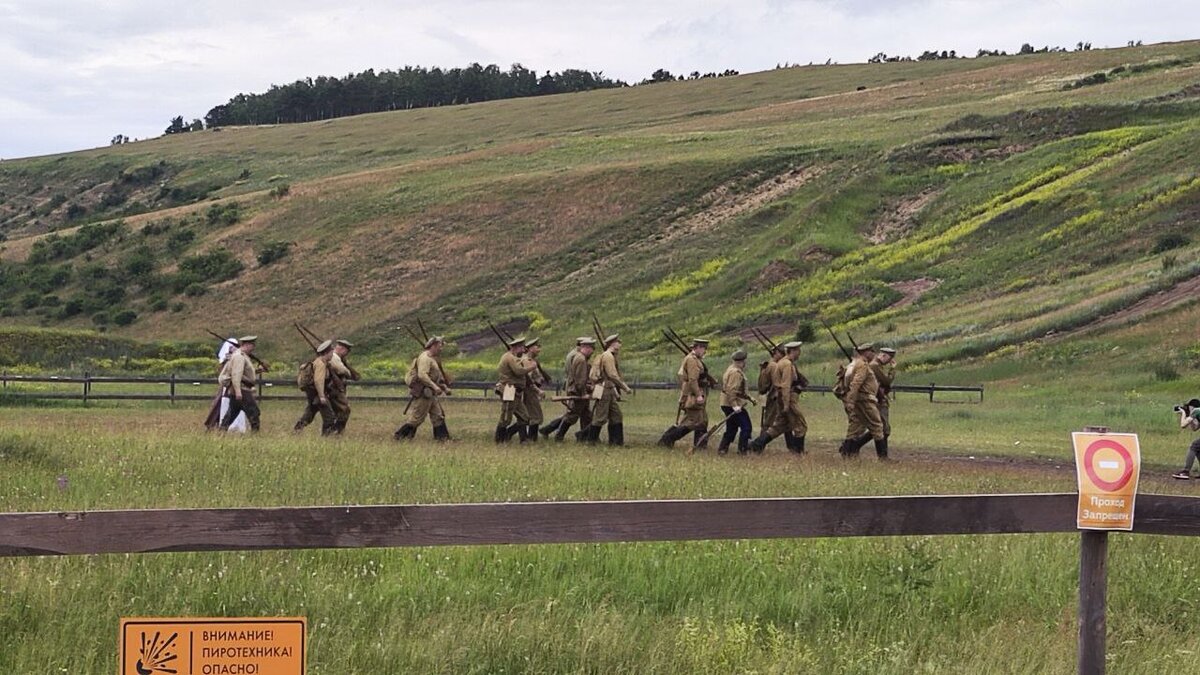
(1188,407)
(1179,409)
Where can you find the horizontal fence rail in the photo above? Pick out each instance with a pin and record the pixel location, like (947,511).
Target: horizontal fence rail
(246,529)
(273,389)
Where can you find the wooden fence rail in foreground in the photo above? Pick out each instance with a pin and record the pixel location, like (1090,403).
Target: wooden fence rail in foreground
(174,382)
(246,529)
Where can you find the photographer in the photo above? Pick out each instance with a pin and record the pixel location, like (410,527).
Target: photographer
(1189,418)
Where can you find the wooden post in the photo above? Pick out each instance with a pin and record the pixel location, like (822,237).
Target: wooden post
(87,386)
(172,388)
(981,393)
(1093,582)
(931,386)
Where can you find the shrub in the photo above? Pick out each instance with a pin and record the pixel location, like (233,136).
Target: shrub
(31,299)
(70,308)
(179,240)
(157,303)
(280,191)
(215,265)
(273,251)
(178,307)
(1169,241)
(195,290)
(1169,261)
(1165,372)
(100,318)
(219,215)
(805,331)
(139,263)
(125,317)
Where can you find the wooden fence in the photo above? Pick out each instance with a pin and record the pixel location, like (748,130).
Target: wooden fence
(246,529)
(178,386)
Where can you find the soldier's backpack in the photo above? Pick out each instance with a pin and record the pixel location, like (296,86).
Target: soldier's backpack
(304,380)
(840,388)
(411,376)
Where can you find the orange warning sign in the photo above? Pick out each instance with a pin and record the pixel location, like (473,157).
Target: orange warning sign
(1108,466)
(188,646)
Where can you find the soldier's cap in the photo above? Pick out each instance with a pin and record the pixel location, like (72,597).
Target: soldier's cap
(517,342)
(887,350)
(739,355)
(698,342)
(345,343)
(247,338)
(866,347)
(324,346)
(585,341)
(434,340)
(532,342)
(794,344)
(611,339)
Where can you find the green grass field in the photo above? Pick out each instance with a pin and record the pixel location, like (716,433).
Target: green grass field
(1001,603)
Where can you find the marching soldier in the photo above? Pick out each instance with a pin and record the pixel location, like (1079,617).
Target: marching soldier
(239,378)
(692,414)
(734,399)
(576,387)
(784,381)
(536,379)
(884,367)
(606,372)
(314,380)
(766,378)
(341,371)
(427,384)
(512,379)
(862,409)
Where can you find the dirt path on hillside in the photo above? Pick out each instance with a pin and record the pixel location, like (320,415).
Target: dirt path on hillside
(913,290)
(901,217)
(1179,294)
(721,204)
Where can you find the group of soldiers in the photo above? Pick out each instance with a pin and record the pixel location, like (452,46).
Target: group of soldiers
(592,394)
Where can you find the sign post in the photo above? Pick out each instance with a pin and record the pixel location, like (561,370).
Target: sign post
(1108,467)
(224,646)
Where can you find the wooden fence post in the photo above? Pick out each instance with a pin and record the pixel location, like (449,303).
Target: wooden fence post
(87,386)
(932,387)
(172,388)
(1093,582)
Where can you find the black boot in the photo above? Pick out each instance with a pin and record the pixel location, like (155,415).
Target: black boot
(846,449)
(671,435)
(405,431)
(551,427)
(881,448)
(531,433)
(501,433)
(616,434)
(440,433)
(759,444)
(799,449)
(743,444)
(700,439)
(521,431)
(863,440)
(562,432)
(723,447)
(591,435)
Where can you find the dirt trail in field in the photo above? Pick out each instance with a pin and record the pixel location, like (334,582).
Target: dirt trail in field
(1183,292)
(718,206)
(912,290)
(900,218)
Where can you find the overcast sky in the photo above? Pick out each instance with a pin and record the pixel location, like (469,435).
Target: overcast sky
(76,73)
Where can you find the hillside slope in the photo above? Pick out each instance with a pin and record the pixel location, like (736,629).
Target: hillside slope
(954,208)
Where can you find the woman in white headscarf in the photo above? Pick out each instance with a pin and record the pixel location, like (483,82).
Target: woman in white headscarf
(220,404)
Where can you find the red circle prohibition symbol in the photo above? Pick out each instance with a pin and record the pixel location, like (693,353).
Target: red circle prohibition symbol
(1089,456)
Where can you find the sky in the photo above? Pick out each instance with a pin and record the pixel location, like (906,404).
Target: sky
(77,73)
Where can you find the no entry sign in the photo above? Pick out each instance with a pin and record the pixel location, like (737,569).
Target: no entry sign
(1108,466)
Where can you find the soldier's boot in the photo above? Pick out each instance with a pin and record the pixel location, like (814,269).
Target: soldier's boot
(743,444)
(531,433)
(862,441)
(881,448)
(440,433)
(671,435)
(300,425)
(799,450)
(723,447)
(616,434)
(847,449)
(517,429)
(405,431)
(501,434)
(759,444)
(561,433)
(699,439)
(789,441)
(551,427)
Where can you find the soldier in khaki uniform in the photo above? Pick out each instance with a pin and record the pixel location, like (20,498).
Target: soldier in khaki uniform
(734,399)
(693,398)
(862,409)
(239,379)
(785,380)
(766,376)
(535,383)
(606,372)
(576,385)
(342,371)
(314,381)
(513,371)
(427,383)
(884,367)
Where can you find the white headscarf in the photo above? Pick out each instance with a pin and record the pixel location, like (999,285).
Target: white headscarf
(227,348)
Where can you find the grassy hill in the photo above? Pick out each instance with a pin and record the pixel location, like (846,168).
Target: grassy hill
(961,210)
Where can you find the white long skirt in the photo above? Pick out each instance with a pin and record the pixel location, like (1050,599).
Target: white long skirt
(240,424)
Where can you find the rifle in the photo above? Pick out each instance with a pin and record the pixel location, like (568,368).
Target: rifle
(265,366)
(706,380)
(767,342)
(599,330)
(500,336)
(852,342)
(315,338)
(839,342)
(304,334)
(714,429)
(671,340)
(424,334)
